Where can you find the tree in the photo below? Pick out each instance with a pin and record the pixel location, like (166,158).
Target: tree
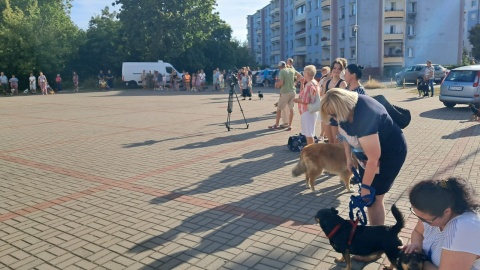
(474,38)
(164,29)
(36,36)
(101,47)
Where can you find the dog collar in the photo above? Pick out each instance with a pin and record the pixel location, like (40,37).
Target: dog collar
(352,232)
(334,231)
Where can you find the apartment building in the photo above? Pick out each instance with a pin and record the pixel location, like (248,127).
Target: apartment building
(381,35)
(472,18)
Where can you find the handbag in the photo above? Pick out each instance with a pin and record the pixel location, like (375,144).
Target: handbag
(315,106)
(298,141)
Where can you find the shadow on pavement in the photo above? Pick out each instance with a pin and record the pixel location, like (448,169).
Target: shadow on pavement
(263,160)
(228,138)
(229,225)
(240,121)
(467,132)
(460,113)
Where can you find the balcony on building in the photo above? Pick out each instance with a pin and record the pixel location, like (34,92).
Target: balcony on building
(275,39)
(326,22)
(299,2)
(393,36)
(275,10)
(394,14)
(259,31)
(326,62)
(326,4)
(275,24)
(393,59)
(301,33)
(300,49)
(275,52)
(326,42)
(300,17)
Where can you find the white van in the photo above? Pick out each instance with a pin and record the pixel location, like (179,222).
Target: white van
(132,71)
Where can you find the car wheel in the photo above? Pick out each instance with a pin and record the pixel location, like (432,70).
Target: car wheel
(449,104)
(132,84)
(399,81)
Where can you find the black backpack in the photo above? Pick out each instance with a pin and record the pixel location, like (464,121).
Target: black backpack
(298,141)
(399,115)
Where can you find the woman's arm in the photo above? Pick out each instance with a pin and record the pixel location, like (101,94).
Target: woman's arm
(348,154)
(371,147)
(416,241)
(343,85)
(457,260)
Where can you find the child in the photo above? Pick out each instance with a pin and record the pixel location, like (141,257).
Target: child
(14,85)
(164,81)
(75,82)
(194,80)
(33,84)
(198,84)
(58,80)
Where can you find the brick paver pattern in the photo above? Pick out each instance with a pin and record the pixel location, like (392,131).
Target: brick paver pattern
(152,180)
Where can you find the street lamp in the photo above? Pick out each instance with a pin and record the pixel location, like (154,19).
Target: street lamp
(355,29)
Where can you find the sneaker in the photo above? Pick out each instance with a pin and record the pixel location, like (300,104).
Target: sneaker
(251,98)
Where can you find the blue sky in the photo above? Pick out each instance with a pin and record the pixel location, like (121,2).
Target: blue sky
(234,12)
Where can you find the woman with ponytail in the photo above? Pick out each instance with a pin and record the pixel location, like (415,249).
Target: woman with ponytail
(448,227)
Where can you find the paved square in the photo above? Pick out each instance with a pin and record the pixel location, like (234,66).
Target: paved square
(152,180)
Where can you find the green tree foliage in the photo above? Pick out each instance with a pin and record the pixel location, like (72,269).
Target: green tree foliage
(474,38)
(36,35)
(102,46)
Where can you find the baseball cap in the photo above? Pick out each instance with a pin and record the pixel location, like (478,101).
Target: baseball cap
(282,64)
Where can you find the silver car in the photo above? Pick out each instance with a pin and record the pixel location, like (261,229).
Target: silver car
(415,73)
(461,86)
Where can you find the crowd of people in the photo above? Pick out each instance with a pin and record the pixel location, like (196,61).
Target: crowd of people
(10,86)
(447,210)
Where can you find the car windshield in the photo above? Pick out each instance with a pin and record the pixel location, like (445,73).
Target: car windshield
(461,76)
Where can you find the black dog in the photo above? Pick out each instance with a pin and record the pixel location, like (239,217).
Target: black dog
(475,110)
(260,95)
(422,89)
(410,261)
(366,240)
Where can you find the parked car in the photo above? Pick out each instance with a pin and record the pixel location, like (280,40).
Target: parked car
(461,86)
(416,72)
(260,79)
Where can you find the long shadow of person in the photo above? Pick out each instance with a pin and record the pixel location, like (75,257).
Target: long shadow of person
(228,226)
(230,137)
(221,227)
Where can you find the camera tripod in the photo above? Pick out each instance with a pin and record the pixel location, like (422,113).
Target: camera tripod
(230,105)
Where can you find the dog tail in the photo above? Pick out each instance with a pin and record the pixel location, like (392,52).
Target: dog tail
(299,169)
(399,218)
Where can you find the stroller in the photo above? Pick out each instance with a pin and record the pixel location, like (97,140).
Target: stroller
(102,84)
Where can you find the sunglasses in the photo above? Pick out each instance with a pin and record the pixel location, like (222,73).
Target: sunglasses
(422,219)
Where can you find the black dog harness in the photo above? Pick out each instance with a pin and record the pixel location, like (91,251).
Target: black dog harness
(352,232)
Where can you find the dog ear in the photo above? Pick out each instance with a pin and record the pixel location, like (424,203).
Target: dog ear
(335,211)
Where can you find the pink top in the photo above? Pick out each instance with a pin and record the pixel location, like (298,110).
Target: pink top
(308,95)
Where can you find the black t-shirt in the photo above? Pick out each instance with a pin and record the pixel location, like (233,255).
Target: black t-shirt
(370,117)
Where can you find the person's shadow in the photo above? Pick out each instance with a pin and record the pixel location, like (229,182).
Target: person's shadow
(225,226)
(228,226)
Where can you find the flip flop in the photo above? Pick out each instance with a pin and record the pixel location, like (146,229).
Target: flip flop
(273,127)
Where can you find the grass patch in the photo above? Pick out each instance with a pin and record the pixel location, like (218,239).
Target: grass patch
(373,84)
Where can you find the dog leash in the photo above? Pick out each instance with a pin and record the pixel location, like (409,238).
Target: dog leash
(359,201)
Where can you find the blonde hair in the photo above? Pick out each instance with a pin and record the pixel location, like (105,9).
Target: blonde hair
(340,102)
(310,69)
(327,68)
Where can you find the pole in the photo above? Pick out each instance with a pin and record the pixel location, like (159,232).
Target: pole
(356,32)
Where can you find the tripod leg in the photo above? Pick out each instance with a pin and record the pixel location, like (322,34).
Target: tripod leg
(241,109)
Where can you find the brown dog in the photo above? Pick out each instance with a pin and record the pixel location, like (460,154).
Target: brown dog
(411,261)
(317,157)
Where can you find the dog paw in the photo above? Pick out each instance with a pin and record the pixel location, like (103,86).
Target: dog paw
(339,260)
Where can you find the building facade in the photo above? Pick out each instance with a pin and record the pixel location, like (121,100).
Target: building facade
(383,36)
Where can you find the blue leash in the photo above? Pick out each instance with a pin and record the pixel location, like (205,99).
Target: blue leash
(359,201)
